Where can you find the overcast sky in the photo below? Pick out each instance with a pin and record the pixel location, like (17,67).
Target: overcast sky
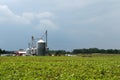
(70,23)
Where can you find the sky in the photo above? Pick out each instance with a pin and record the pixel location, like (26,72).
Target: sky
(71,24)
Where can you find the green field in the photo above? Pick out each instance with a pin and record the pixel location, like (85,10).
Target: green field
(104,67)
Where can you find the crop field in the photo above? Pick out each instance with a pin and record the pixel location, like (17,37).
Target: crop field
(105,67)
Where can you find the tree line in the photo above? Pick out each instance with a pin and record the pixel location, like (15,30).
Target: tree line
(5,52)
(2,51)
(85,51)
(96,50)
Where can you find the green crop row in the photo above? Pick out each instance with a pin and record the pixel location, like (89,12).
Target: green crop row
(60,68)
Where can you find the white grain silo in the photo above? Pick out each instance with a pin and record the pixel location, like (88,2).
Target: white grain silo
(41,48)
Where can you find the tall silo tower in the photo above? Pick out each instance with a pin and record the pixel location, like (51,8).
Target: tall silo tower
(41,48)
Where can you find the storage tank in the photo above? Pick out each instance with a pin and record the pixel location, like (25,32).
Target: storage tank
(41,50)
(28,51)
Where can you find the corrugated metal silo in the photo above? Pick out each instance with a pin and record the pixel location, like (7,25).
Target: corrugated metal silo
(41,48)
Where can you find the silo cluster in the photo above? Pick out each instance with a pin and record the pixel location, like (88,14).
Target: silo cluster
(37,47)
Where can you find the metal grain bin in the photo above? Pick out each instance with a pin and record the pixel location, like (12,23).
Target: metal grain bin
(41,50)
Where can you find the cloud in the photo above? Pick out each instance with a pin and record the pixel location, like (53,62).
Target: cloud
(54,5)
(27,18)
(65,4)
(5,11)
(45,15)
(7,16)
(41,20)
(49,24)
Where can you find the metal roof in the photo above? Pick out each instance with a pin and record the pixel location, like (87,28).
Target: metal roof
(41,41)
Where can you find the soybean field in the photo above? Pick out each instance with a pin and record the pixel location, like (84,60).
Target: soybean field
(105,67)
